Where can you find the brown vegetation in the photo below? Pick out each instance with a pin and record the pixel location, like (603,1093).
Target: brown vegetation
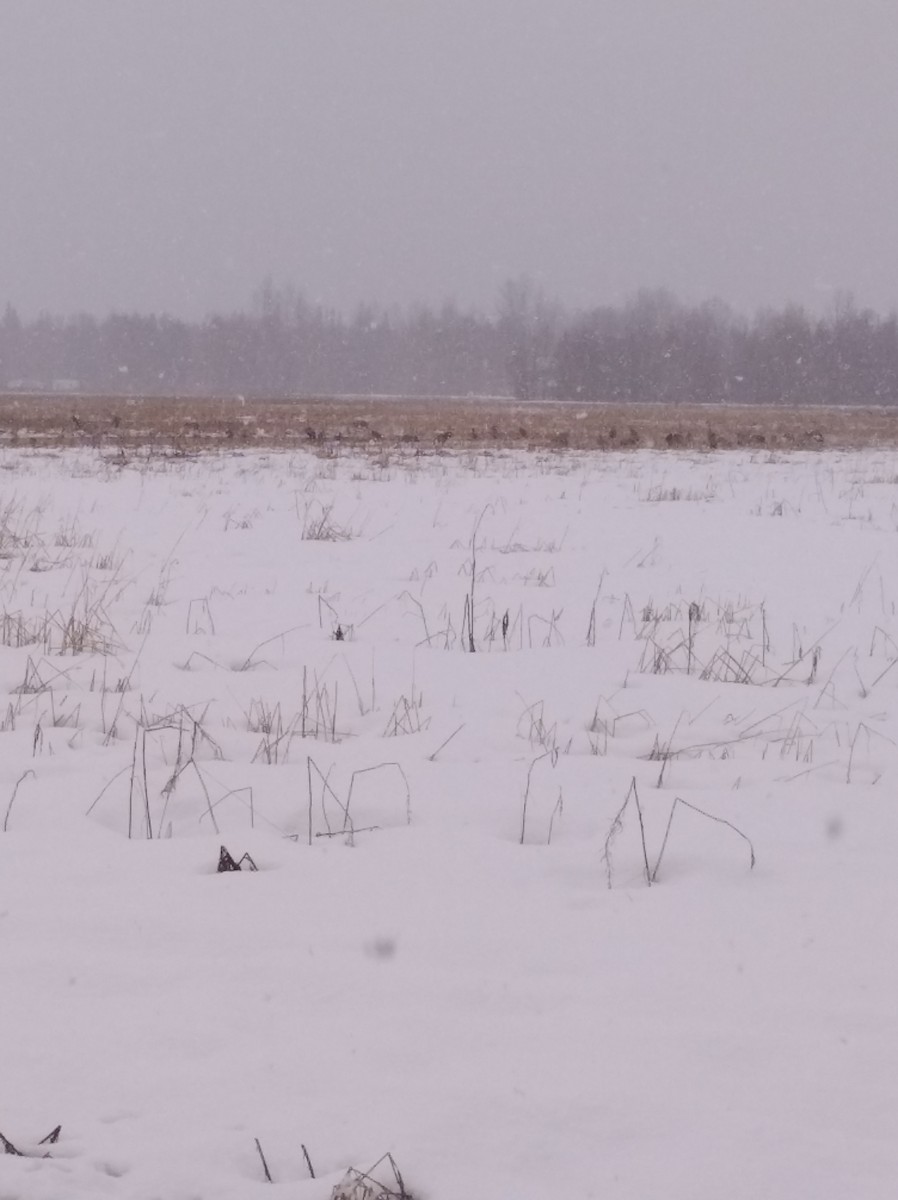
(430,425)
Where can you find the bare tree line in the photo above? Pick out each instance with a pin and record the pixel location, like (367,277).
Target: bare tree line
(655,349)
(652,349)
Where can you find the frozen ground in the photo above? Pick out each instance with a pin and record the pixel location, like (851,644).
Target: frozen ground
(401,973)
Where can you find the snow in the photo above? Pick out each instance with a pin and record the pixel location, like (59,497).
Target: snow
(411,978)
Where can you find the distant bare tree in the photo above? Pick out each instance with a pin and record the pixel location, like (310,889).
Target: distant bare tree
(528,325)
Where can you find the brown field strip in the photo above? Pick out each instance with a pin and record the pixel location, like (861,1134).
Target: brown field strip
(325,424)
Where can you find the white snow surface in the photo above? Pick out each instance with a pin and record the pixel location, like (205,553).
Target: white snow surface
(402,974)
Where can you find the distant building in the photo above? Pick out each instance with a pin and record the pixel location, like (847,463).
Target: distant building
(25,385)
(65,385)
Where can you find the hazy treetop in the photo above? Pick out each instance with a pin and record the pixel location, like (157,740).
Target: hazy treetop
(169,154)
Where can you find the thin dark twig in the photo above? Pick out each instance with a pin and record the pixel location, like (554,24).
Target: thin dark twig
(248,661)
(331,833)
(106,788)
(368,770)
(325,788)
(264,1163)
(551,752)
(443,745)
(12,799)
(711,817)
(645,853)
(617,825)
(309,775)
(673,809)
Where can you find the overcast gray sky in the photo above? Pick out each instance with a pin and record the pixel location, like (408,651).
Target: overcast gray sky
(170,154)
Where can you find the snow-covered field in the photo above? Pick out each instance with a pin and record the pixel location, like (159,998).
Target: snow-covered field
(443,954)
